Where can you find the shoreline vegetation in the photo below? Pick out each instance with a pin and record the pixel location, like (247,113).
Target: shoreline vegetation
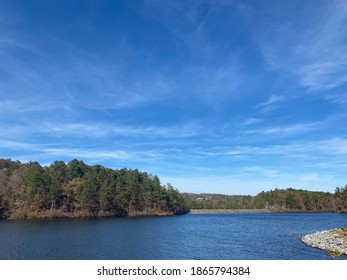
(334,241)
(277,200)
(77,190)
(59,214)
(227,211)
(236,211)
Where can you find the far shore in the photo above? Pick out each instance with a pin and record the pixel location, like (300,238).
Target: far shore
(226,211)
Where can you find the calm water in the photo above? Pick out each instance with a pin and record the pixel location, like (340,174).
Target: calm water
(212,236)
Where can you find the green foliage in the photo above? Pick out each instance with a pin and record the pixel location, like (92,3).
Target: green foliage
(176,201)
(37,183)
(275,200)
(79,189)
(76,189)
(341,199)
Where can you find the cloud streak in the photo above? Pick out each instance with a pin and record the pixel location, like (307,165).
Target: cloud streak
(309,46)
(227,92)
(87,153)
(287,130)
(184,130)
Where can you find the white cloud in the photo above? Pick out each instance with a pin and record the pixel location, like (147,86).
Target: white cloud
(107,130)
(340,99)
(86,153)
(55,94)
(323,149)
(8,144)
(334,146)
(254,183)
(272,103)
(288,130)
(100,154)
(251,121)
(213,71)
(272,100)
(311,46)
(74,78)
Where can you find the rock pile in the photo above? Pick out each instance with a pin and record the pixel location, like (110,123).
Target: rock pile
(334,241)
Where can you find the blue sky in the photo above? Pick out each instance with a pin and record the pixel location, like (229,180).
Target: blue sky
(229,97)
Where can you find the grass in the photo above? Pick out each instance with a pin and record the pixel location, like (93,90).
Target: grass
(342,232)
(334,253)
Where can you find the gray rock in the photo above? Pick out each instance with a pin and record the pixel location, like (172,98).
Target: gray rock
(329,240)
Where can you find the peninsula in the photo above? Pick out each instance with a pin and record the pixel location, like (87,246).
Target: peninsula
(334,241)
(29,190)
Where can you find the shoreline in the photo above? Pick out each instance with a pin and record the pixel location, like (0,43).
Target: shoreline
(57,215)
(334,241)
(272,210)
(227,211)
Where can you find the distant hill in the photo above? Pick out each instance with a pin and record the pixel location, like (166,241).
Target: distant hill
(75,189)
(282,200)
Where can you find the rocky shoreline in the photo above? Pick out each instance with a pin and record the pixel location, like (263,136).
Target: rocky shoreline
(333,241)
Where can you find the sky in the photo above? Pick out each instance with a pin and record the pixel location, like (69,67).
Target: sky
(233,97)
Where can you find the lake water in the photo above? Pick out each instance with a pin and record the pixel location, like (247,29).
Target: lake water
(258,236)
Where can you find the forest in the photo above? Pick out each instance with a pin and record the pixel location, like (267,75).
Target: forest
(278,200)
(75,189)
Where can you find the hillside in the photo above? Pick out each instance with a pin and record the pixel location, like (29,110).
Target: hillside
(28,190)
(275,200)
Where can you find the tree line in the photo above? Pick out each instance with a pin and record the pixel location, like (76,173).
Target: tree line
(75,189)
(275,200)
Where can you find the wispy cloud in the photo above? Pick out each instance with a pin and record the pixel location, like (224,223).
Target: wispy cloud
(87,153)
(339,98)
(102,130)
(70,77)
(287,130)
(186,21)
(253,184)
(309,46)
(8,144)
(76,78)
(251,121)
(272,103)
(88,84)
(101,155)
(334,147)
(267,172)
(26,105)
(135,136)
(213,71)
(189,88)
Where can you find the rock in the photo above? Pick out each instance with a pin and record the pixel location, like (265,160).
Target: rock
(333,241)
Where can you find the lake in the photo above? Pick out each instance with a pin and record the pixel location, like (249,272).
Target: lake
(258,236)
